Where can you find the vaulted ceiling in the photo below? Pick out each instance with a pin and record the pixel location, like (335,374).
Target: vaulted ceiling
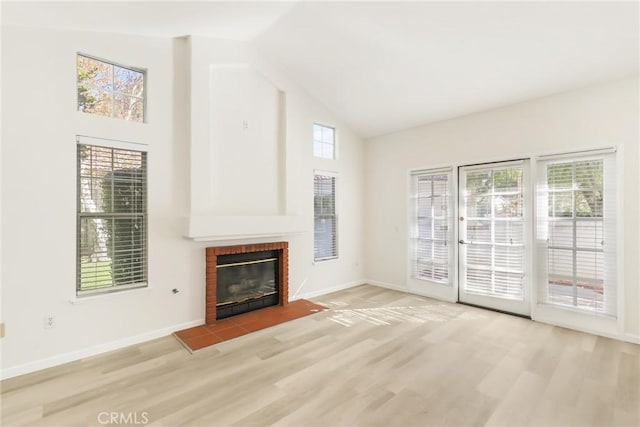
(386,66)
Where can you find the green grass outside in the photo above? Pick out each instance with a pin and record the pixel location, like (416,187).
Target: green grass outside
(94,275)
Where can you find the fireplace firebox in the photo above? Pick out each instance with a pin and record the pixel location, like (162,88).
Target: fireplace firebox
(246,282)
(245,278)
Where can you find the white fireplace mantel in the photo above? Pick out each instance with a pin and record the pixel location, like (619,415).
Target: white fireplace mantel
(203,228)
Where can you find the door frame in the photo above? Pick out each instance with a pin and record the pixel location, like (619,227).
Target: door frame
(505,305)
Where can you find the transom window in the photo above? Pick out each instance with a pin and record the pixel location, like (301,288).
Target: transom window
(107,89)
(112,219)
(324,141)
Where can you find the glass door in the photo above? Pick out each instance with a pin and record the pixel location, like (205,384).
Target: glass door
(493,240)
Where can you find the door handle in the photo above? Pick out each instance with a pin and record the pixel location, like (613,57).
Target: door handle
(461,242)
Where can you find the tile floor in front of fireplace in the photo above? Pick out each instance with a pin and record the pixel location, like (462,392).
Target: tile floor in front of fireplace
(236,326)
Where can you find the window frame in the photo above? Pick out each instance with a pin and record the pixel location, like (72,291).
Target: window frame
(334,176)
(414,226)
(119,146)
(113,92)
(333,144)
(611,249)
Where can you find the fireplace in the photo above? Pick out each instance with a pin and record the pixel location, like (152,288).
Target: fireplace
(244,278)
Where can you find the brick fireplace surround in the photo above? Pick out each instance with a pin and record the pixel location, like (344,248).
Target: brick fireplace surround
(211,270)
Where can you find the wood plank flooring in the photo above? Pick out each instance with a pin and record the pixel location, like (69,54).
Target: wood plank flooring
(376,358)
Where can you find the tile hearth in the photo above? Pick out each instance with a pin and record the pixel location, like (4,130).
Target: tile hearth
(203,336)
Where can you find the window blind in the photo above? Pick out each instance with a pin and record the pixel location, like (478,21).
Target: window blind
(325,218)
(432,229)
(576,231)
(493,231)
(112,218)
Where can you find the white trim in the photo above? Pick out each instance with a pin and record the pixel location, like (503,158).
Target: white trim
(446,291)
(620,239)
(324,172)
(634,338)
(143,71)
(493,165)
(326,291)
(117,64)
(586,152)
(223,229)
(583,322)
(112,143)
(334,144)
(387,285)
(549,320)
(447,169)
(106,295)
(49,362)
(407,290)
(607,324)
(523,306)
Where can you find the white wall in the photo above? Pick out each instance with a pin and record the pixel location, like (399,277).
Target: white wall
(245,138)
(597,116)
(39,200)
(306,278)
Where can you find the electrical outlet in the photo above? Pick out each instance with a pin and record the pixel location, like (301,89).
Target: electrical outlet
(48,322)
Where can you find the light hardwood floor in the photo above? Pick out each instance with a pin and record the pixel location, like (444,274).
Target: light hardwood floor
(377,358)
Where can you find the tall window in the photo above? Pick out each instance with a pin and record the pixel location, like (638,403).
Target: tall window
(324,141)
(325,219)
(106,89)
(112,219)
(577,227)
(431,236)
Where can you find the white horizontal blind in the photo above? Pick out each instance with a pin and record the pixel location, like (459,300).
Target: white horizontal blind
(112,219)
(576,232)
(325,218)
(432,228)
(494,232)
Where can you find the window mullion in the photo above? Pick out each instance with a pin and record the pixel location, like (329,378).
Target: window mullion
(493,233)
(574,184)
(433,230)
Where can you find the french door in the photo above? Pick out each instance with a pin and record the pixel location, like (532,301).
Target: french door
(494,244)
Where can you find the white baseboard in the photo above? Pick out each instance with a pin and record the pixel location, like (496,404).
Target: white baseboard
(49,362)
(325,291)
(406,290)
(92,351)
(633,338)
(148,336)
(391,286)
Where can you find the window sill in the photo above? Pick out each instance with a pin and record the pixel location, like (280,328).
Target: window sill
(88,298)
(321,260)
(575,310)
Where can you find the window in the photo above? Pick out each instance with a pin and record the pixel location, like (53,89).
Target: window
(112,219)
(106,89)
(432,226)
(324,141)
(577,229)
(325,220)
